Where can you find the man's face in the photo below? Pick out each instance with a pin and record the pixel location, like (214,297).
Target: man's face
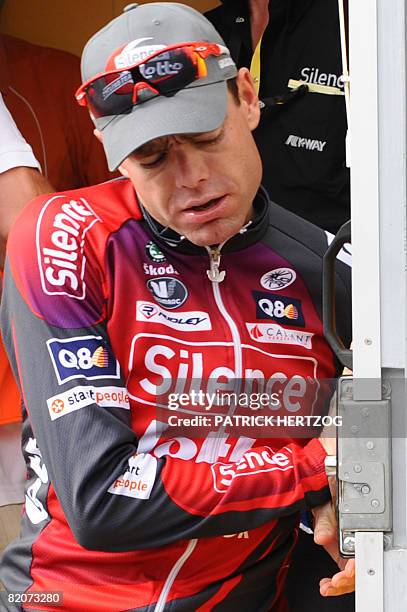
(203,185)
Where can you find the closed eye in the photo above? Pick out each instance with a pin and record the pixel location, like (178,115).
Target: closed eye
(154,161)
(213,139)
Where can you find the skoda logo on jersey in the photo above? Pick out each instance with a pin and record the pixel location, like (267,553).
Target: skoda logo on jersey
(82,357)
(278,308)
(277,279)
(167,291)
(154,253)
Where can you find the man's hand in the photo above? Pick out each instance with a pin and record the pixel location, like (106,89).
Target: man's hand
(325,535)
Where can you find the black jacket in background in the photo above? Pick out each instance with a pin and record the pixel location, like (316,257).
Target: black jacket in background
(302,142)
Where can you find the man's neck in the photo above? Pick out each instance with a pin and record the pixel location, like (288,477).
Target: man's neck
(259,18)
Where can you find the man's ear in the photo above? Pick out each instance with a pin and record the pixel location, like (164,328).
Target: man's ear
(248,97)
(123,170)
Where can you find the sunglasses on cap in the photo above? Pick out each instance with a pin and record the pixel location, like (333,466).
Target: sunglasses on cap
(164,72)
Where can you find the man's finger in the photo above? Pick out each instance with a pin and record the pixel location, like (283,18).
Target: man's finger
(341,583)
(324,524)
(350,568)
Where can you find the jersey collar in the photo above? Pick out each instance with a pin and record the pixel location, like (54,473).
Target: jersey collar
(251,233)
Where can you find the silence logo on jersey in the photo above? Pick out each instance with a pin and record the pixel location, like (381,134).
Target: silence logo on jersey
(250,464)
(278,308)
(166,365)
(79,397)
(275,334)
(182,321)
(82,357)
(60,238)
(277,279)
(138,480)
(167,291)
(154,253)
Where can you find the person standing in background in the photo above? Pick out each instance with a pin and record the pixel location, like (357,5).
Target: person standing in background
(301,136)
(20,181)
(37,85)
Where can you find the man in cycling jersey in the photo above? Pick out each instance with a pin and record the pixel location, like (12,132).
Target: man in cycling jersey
(132,309)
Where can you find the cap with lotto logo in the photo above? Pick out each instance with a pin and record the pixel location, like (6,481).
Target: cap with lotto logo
(137,33)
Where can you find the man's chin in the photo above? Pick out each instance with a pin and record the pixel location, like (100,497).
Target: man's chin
(213,233)
(204,239)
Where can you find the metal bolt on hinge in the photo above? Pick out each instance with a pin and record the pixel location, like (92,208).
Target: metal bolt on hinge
(349,544)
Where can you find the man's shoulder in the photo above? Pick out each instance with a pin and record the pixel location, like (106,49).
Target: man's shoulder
(298,239)
(111,203)
(65,226)
(56,250)
(298,230)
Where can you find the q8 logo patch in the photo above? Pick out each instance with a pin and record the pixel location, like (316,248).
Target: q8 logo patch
(278,308)
(82,357)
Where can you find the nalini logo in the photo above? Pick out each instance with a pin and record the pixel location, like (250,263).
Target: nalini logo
(60,238)
(278,279)
(167,291)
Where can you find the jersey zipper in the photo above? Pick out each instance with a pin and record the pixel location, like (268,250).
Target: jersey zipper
(214,274)
(160,605)
(216,277)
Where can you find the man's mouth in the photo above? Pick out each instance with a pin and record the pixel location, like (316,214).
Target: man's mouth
(207,205)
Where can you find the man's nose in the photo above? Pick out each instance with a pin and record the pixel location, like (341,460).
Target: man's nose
(192,167)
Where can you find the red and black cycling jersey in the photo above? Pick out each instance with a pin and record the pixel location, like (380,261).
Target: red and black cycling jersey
(107,318)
